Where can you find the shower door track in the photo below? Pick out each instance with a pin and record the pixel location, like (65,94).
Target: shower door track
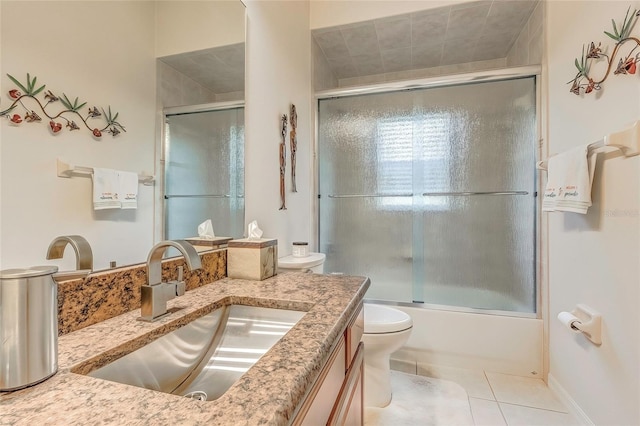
(440,81)
(452,308)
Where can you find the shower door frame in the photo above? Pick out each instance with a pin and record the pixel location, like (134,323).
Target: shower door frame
(533,71)
(160,226)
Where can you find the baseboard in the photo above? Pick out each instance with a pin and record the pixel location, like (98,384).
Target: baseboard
(573,407)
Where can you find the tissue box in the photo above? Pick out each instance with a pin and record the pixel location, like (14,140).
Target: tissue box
(214,243)
(252,258)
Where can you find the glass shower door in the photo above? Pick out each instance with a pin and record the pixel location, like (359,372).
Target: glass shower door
(204,172)
(431,193)
(366,211)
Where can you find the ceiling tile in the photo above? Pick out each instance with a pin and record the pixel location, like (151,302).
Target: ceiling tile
(332,43)
(429,27)
(512,10)
(393,33)
(442,38)
(458,50)
(471,4)
(491,49)
(342,67)
(466,22)
(370,63)
(361,38)
(426,56)
(232,55)
(396,59)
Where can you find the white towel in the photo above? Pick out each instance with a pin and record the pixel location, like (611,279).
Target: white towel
(105,189)
(128,189)
(569,179)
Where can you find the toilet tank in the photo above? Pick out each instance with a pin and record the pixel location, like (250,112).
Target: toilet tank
(313,262)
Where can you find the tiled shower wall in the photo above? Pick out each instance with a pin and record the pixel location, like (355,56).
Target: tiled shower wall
(176,89)
(527,50)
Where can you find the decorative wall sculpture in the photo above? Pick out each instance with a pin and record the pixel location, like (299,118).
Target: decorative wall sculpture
(28,92)
(293,118)
(583,82)
(283,160)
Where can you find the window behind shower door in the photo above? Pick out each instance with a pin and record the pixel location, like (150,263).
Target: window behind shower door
(204,172)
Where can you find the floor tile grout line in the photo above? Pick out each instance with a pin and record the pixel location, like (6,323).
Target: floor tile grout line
(535,408)
(495,398)
(490,387)
(519,405)
(471,409)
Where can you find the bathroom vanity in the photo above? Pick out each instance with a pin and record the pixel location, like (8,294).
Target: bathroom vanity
(312,375)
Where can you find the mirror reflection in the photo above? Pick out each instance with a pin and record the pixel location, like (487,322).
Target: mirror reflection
(204,172)
(202,154)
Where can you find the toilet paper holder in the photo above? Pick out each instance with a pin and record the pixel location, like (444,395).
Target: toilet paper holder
(585,320)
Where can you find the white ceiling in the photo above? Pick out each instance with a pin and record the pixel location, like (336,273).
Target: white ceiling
(455,34)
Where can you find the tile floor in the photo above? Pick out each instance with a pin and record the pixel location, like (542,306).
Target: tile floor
(499,399)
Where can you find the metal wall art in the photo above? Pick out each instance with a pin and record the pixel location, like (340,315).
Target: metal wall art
(28,92)
(585,83)
(293,118)
(283,159)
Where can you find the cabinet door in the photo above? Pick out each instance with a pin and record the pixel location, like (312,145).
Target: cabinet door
(317,407)
(349,408)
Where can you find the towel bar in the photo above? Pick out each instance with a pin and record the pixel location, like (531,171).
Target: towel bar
(627,141)
(66,170)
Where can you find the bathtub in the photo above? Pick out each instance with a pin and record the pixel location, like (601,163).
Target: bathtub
(496,341)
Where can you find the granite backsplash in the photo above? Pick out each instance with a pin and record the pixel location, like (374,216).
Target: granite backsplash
(107,294)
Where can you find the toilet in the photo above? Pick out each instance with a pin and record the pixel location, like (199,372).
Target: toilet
(313,262)
(385,331)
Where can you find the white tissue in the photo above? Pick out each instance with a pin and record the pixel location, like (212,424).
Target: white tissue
(205,230)
(253,231)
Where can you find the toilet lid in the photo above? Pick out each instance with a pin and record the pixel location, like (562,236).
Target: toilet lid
(381,319)
(290,262)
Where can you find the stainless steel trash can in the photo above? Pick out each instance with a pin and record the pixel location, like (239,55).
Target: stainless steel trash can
(28,326)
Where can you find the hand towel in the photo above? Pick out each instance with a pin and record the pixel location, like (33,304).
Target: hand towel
(569,179)
(128,184)
(105,189)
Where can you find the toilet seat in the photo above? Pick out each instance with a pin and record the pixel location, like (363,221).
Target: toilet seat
(382,320)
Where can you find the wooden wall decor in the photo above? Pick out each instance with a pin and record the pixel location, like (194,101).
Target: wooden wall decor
(283,160)
(293,140)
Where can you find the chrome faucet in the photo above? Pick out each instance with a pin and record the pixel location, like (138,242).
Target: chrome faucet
(84,256)
(155,294)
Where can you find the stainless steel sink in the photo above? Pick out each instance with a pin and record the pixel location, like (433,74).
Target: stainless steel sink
(204,358)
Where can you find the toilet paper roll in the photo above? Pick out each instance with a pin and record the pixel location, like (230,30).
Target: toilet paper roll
(567,319)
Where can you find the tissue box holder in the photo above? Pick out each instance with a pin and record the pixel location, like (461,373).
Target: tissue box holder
(252,259)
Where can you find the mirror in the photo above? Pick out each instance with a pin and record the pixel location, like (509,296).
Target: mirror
(202,152)
(106,56)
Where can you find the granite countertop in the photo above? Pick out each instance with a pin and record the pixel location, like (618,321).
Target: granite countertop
(268,393)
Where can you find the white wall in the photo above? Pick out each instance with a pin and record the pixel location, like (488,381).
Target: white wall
(102,52)
(278,74)
(186,26)
(593,259)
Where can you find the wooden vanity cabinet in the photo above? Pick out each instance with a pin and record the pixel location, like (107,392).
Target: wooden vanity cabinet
(337,396)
